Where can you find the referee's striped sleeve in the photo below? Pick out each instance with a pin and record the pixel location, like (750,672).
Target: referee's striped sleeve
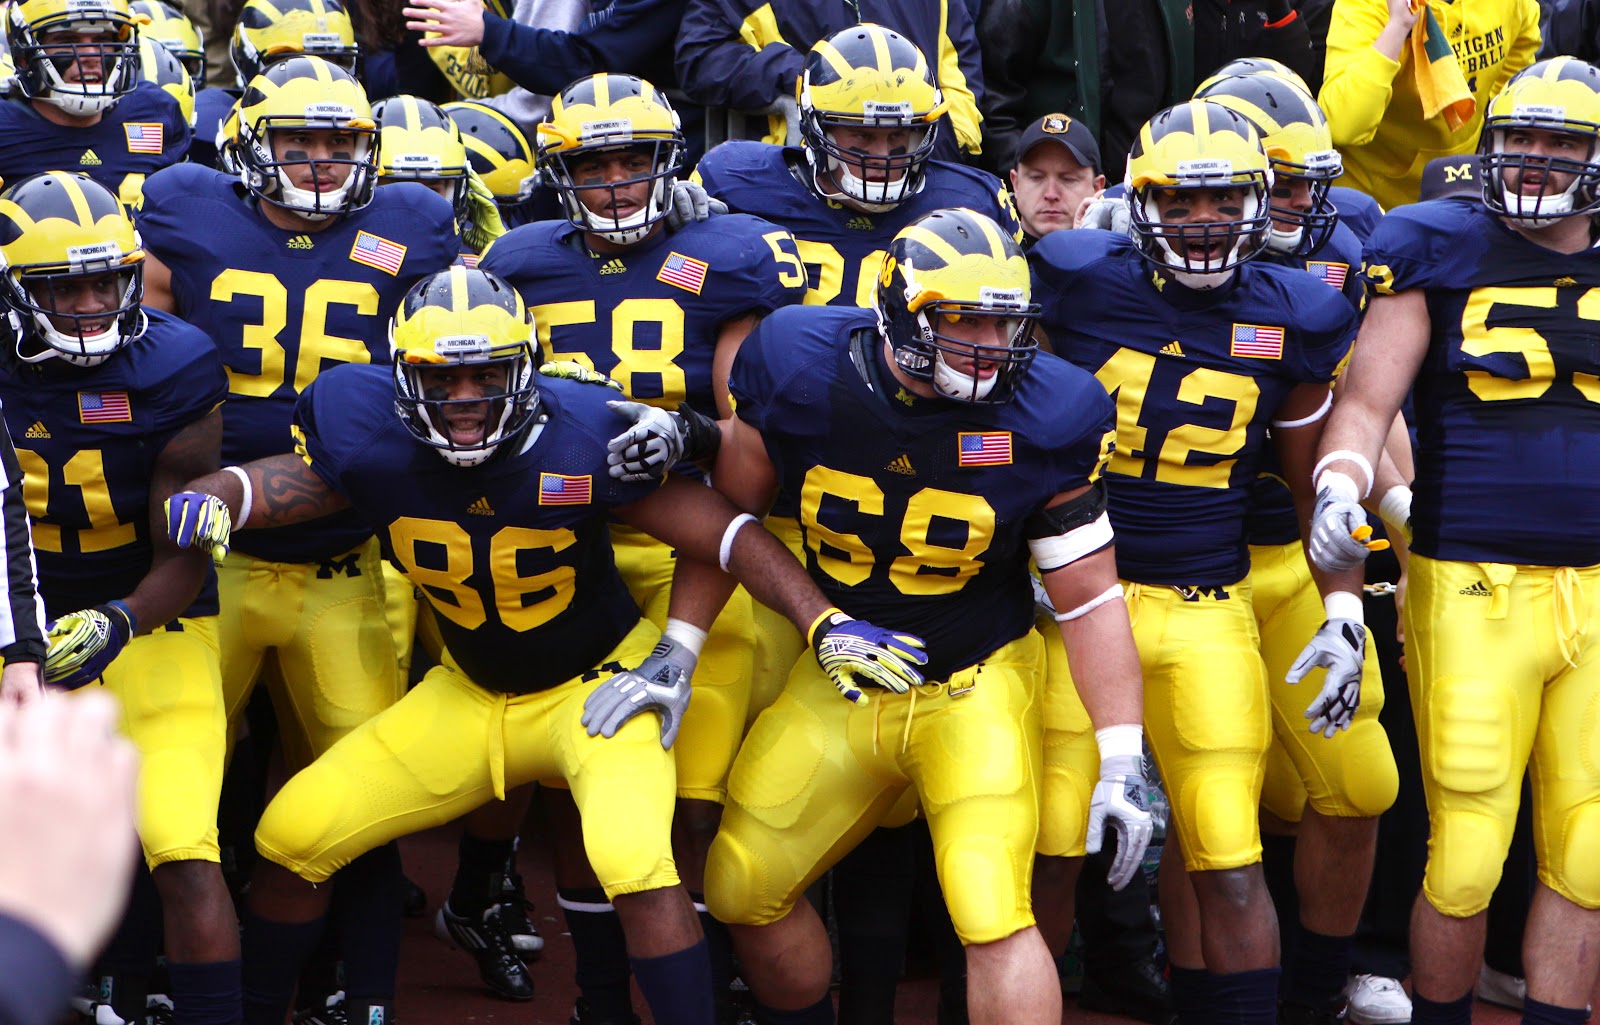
(22,614)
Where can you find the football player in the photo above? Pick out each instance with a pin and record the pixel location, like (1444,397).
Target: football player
(1323,795)
(439,454)
(661,312)
(1484,310)
(116,407)
(172,28)
(267,31)
(293,264)
(921,443)
(499,151)
(79,104)
(1204,351)
(419,142)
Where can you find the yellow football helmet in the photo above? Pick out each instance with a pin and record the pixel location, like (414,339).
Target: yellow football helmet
(172,28)
(270,30)
(1244,67)
(305,92)
(610,112)
(62,234)
(941,269)
(1560,95)
(497,150)
(1298,142)
(159,65)
(868,77)
(43,70)
(418,142)
(1199,145)
(463,316)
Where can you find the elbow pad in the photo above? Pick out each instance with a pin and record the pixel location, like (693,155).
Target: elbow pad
(1065,533)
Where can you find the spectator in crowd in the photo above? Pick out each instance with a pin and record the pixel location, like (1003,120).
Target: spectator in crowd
(744,55)
(66,811)
(1225,30)
(1571,28)
(1057,168)
(1392,107)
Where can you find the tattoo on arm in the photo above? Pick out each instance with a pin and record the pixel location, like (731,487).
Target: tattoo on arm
(288,490)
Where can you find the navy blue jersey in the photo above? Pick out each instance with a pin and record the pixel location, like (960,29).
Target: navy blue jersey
(843,249)
(648,317)
(88,439)
(913,509)
(1198,378)
(513,555)
(211,109)
(1508,396)
(1336,263)
(143,133)
(282,306)
(1357,211)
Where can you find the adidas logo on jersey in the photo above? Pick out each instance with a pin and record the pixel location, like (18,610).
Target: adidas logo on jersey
(1172,348)
(89,159)
(1477,590)
(480,508)
(37,431)
(859,224)
(613,267)
(901,465)
(300,242)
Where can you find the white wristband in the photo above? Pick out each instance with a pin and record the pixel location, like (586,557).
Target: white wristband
(1110,594)
(1344,605)
(1120,740)
(725,552)
(1341,484)
(249,493)
(688,636)
(1395,508)
(1353,457)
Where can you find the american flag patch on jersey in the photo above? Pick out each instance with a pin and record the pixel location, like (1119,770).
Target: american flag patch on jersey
(983,448)
(378,252)
(559,489)
(104,407)
(1333,273)
(143,137)
(1257,342)
(683,271)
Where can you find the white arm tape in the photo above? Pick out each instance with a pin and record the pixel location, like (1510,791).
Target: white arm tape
(1126,739)
(1054,552)
(249,493)
(1344,605)
(725,552)
(684,633)
(1395,508)
(1110,594)
(1322,411)
(1355,457)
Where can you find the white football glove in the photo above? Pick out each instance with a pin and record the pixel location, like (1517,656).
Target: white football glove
(661,682)
(659,440)
(1121,803)
(1339,645)
(1339,530)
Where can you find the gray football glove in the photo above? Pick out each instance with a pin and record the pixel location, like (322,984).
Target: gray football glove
(660,682)
(1107,214)
(1337,524)
(1121,803)
(1042,605)
(1339,645)
(659,440)
(691,203)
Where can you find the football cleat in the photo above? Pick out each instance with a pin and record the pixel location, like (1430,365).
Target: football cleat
(488,940)
(330,1013)
(517,912)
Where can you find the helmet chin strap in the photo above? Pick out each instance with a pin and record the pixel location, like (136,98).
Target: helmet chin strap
(955,385)
(1558,207)
(1202,282)
(1286,241)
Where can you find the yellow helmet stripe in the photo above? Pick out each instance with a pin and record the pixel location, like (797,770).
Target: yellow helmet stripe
(880,48)
(929,239)
(835,59)
(80,202)
(997,241)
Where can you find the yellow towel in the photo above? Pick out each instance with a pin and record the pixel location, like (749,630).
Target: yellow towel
(1440,84)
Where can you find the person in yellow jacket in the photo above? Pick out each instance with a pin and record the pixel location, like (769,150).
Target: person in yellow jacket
(1377,83)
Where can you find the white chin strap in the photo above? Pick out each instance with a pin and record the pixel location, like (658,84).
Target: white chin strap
(79,102)
(956,385)
(1285,241)
(1214,271)
(87,351)
(624,231)
(305,202)
(1202,282)
(875,197)
(1551,209)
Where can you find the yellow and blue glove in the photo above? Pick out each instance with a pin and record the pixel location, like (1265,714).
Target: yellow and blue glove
(83,643)
(196,520)
(856,654)
(484,223)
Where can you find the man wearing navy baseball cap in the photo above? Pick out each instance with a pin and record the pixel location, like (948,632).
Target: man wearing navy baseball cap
(1058,167)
